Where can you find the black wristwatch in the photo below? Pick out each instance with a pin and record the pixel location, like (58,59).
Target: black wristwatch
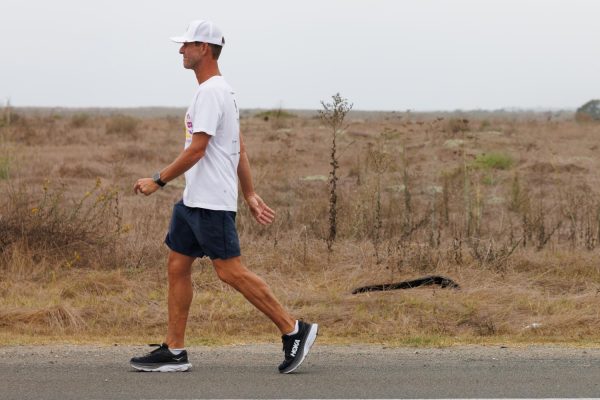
(156,179)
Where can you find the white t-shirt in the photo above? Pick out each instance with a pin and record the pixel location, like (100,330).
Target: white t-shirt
(212,182)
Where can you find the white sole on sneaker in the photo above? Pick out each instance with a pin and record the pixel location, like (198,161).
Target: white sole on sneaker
(310,339)
(163,368)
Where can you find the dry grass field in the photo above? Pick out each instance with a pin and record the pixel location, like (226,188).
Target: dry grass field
(507,205)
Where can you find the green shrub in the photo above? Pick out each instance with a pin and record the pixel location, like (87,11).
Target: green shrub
(493,161)
(4,167)
(488,180)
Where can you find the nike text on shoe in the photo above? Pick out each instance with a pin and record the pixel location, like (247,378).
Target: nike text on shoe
(161,360)
(296,347)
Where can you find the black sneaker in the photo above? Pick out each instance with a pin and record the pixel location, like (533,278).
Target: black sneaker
(161,360)
(296,347)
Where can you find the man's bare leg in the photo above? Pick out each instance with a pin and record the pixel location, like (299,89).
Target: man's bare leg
(180,297)
(255,290)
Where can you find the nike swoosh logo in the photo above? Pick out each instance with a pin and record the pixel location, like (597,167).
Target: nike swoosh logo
(178,359)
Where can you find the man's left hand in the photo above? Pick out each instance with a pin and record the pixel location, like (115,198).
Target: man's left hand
(262,213)
(145,186)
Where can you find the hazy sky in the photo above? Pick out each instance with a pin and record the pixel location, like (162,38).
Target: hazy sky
(380,54)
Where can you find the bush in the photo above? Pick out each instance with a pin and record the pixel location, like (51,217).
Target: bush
(80,120)
(485,124)
(122,124)
(53,226)
(456,125)
(493,161)
(588,112)
(9,118)
(274,114)
(4,167)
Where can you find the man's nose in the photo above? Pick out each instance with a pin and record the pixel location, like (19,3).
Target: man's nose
(181,49)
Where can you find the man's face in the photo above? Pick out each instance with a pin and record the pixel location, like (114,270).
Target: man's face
(193,54)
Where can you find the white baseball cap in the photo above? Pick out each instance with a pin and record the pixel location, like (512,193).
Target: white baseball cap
(201,31)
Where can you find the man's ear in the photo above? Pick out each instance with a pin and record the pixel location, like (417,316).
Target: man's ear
(205,48)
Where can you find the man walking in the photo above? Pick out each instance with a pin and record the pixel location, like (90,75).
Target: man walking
(203,222)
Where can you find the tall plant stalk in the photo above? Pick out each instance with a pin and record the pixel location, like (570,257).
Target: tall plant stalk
(333,115)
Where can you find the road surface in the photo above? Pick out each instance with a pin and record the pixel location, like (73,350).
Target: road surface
(250,371)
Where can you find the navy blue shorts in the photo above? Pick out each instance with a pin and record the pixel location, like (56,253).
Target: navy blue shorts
(198,232)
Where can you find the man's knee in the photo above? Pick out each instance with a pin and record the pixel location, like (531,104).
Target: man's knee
(230,271)
(179,266)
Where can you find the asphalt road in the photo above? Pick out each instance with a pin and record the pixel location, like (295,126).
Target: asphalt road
(103,372)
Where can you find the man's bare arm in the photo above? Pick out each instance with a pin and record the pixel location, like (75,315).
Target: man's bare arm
(261,212)
(243,171)
(187,158)
(184,161)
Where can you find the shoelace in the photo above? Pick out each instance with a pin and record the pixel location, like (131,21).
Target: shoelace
(160,347)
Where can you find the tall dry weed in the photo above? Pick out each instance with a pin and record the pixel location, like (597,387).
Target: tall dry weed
(333,115)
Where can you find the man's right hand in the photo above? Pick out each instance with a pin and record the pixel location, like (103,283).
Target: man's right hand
(145,186)
(262,213)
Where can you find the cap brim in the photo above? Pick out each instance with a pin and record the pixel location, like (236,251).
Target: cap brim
(180,39)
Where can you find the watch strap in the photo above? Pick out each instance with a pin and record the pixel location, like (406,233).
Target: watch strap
(157,180)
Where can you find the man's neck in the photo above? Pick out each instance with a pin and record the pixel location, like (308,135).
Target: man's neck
(204,74)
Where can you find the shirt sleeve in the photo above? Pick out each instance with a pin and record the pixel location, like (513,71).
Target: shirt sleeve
(207,112)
